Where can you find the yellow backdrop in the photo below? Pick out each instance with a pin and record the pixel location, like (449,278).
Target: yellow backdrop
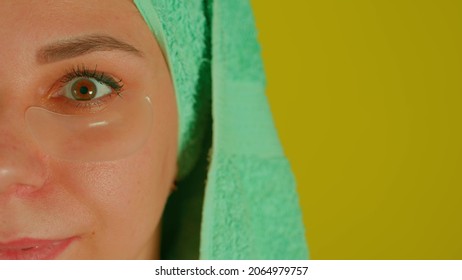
(367,98)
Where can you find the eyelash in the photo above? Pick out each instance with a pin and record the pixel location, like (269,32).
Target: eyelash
(81,71)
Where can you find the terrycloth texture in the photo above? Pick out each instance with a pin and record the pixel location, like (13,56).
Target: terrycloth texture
(250,209)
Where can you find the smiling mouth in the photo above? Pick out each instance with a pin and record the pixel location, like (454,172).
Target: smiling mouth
(33,249)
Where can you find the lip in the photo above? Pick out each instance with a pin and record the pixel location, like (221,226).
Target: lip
(33,249)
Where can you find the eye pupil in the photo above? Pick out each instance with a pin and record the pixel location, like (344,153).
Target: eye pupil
(83,89)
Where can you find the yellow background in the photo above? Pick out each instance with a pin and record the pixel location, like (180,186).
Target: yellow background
(367,98)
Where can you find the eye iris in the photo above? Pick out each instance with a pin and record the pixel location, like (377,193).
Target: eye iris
(83,89)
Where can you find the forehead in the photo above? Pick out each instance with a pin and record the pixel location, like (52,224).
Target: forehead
(27,24)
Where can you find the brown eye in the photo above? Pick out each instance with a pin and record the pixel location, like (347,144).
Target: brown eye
(83,89)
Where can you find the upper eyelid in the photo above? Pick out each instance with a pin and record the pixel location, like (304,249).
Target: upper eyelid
(83,71)
(101,76)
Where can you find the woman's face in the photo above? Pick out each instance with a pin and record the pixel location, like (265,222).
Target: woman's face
(71,209)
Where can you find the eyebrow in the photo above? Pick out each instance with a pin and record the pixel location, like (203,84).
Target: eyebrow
(70,48)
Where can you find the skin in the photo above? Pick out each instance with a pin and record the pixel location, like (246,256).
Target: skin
(112,208)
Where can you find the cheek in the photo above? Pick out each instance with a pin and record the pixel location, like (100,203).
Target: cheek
(125,200)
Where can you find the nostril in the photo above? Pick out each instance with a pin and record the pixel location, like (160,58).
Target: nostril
(24,190)
(6,179)
(20,175)
(23,167)
(5,172)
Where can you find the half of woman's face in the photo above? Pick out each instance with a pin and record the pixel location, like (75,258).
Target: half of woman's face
(81,209)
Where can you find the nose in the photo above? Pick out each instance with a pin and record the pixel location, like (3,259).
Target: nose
(22,168)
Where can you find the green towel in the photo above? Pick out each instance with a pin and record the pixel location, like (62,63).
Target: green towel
(236,196)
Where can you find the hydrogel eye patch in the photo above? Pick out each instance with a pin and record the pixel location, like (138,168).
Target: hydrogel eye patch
(110,133)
